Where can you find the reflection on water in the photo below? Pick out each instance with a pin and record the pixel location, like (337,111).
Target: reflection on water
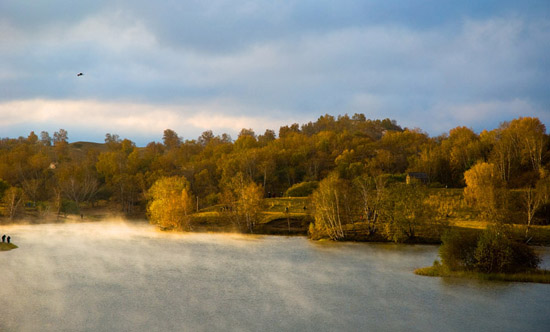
(130,277)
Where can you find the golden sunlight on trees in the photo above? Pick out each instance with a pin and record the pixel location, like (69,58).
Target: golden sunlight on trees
(331,202)
(77,181)
(170,203)
(406,210)
(534,198)
(371,191)
(243,201)
(13,197)
(519,149)
(485,190)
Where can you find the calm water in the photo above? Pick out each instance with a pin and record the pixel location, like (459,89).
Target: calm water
(130,277)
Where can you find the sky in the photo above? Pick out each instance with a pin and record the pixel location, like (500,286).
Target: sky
(223,65)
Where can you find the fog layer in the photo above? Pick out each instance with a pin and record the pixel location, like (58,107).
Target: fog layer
(115,276)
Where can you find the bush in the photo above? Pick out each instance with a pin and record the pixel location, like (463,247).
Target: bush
(69,207)
(497,253)
(302,189)
(3,187)
(457,251)
(212,199)
(394,178)
(493,252)
(436,185)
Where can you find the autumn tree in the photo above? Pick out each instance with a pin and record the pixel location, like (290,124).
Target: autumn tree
(529,136)
(77,181)
(3,187)
(119,177)
(434,161)
(518,150)
(535,198)
(13,199)
(171,139)
(112,141)
(405,211)
(45,138)
(334,207)
(206,137)
(61,144)
(371,193)
(170,203)
(243,200)
(485,190)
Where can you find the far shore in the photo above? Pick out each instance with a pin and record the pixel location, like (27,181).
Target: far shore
(280,216)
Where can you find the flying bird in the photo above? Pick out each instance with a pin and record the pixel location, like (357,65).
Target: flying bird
(79,74)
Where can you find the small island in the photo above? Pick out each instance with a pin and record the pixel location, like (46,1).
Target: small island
(7,246)
(491,255)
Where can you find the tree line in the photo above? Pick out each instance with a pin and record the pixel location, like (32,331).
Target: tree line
(349,159)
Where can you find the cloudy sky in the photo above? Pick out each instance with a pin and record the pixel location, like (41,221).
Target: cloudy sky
(225,65)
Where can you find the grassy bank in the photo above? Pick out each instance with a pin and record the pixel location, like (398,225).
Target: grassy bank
(279,216)
(7,246)
(438,270)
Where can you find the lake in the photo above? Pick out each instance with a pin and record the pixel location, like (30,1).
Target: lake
(116,276)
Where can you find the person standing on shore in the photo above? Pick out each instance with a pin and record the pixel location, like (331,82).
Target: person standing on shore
(4,238)
(9,239)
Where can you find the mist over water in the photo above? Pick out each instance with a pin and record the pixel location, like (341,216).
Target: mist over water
(115,276)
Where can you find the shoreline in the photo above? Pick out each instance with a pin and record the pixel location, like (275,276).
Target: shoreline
(271,223)
(7,246)
(534,276)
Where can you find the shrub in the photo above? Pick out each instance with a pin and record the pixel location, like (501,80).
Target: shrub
(302,189)
(493,252)
(496,252)
(394,178)
(457,251)
(212,199)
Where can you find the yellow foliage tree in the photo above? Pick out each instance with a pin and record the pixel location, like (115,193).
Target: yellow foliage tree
(170,203)
(334,207)
(243,198)
(485,189)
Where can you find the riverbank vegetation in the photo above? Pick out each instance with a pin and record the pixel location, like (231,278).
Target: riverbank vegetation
(357,179)
(493,254)
(437,270)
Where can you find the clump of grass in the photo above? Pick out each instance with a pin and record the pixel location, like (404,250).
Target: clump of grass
(435,270)
(7,246)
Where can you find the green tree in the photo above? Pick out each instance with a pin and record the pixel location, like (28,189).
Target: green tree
(170,203)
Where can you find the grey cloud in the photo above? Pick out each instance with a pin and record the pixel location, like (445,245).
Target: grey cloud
(385,59)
